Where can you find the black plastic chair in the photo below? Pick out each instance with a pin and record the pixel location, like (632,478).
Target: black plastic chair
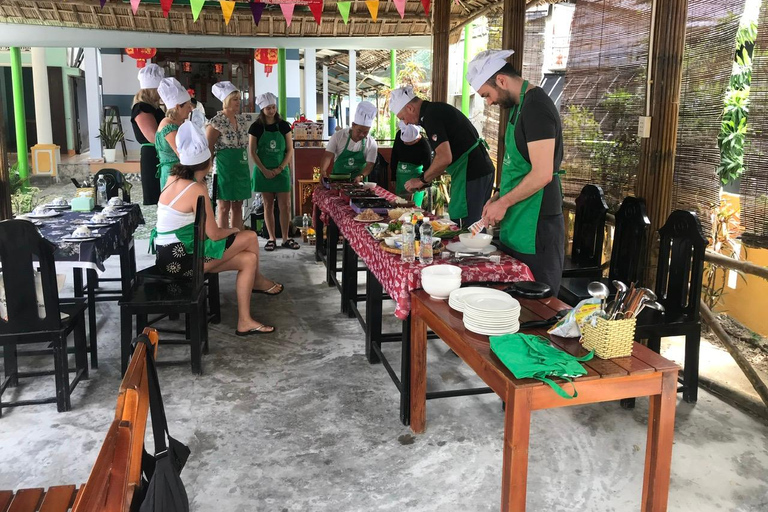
(678,288)
(20,245)
(629,241)
(588,234)
(163,297)
(115,182)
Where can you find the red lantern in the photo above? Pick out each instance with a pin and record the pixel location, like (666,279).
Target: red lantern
(142,55)
(186,67)
(266,56)
(218,69)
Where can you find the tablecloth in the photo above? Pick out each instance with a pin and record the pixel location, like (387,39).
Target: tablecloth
(397,277)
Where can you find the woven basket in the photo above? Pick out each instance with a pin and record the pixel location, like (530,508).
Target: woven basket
(86,191)
(609,338)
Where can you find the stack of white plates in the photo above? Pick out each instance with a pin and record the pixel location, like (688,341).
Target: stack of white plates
(456,298)
(491,315)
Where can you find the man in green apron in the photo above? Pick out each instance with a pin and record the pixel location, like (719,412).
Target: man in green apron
(351,153)
(529,203)
(459,151)
(411,154)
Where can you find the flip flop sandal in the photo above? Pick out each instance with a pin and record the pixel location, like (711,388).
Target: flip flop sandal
(269,291)
(271,246)
(262,329)
(291,244)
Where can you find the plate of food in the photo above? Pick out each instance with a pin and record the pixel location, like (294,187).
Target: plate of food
(368,215)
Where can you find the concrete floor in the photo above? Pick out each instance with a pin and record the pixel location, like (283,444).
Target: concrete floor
(299,421)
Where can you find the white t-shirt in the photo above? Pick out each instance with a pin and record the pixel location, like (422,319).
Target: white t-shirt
(339,140)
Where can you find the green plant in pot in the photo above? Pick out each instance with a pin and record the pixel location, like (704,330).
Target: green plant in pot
(110,134)
(23,197)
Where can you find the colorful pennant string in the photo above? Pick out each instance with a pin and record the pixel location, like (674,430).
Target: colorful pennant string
(135,5)
(102,2)
(166,6)
(196,6)
(287,12)
(373,8)
(257,8)
(344,10)
(227,6)
(317,11)
(400,6)
(426,4)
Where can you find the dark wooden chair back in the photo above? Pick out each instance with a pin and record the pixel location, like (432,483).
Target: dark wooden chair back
(115,182)
(681,266)
(20,245)
(629,240)
(198,275)
(589,227)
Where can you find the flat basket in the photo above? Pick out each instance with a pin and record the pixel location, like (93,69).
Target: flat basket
(609,338)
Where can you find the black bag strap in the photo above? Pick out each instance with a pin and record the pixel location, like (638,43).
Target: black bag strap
(156,407)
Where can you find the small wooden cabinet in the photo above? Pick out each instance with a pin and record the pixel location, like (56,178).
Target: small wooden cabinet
(306,188)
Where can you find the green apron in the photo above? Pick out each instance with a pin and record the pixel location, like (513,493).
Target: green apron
(457,207)
(234,181)
(518,227)
(186,235)
(350,163)
(165,153)
(271,151)
(405,172)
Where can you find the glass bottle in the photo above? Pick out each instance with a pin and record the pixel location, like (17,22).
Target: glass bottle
(408,250)
(425,245)
(305,222)
(101,191)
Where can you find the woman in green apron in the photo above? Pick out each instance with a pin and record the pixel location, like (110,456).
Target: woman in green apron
(227,135)
(225,248)
(146,115)
(271,146)
(178,107)
(411,154)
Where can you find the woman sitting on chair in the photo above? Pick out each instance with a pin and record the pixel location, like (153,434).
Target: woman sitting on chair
(225,248)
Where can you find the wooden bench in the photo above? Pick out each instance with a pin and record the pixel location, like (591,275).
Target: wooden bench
(116,474)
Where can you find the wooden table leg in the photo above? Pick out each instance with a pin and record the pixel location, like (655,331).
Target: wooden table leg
(517,430)
(658,452)
(373,300)
(418,361)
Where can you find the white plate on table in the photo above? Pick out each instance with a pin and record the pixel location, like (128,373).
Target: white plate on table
(489,305)
(78,238)
(57,206)
(44,216)
(460,247)
(97,224)
(491,332)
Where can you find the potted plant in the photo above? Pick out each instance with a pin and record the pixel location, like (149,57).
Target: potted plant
(110,134)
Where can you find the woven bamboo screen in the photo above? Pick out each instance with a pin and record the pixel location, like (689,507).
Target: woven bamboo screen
(533,60)
(754,182)
(603,96)
(709,47)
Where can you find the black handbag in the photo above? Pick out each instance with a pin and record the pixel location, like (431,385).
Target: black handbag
(162,488)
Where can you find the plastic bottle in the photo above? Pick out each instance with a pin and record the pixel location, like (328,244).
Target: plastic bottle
(305,222)
(101,191)
(408,250)
(425,245)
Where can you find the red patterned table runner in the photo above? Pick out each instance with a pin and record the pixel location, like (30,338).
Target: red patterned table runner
(396,277)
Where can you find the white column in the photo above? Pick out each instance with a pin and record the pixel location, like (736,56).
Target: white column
(310,84)
(352,85)
(93,99)
(42,97)
(326,135)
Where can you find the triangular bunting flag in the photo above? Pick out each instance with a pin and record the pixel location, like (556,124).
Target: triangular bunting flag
(287,12)
(166,6)
(317,11)
(425,4)
(373,8)
(102,3)
(135,5)
(197,6)
(226,9)
(400,6)
(344,10)
(256,9)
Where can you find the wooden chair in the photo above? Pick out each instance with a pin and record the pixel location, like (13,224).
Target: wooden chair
(116,182)
(629,241)
(20,246)
(678,287)
(162,297)
(588,234)
(116,474)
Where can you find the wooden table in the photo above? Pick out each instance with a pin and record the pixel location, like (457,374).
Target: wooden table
(645,373)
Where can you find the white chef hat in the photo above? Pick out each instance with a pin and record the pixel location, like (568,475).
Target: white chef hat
(409,132)
(266,99)
(223,89)
(400,97)
(365,113)
(198,118)
(484,65)
(192,144)
(172,93)
(150,76)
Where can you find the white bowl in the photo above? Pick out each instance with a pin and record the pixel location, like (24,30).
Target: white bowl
(116,201)
(110,210)
(391,241)
(369,184)
(81,232)
(59,201)
(98,218)
(440,280)
(479,241)
(41,210)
